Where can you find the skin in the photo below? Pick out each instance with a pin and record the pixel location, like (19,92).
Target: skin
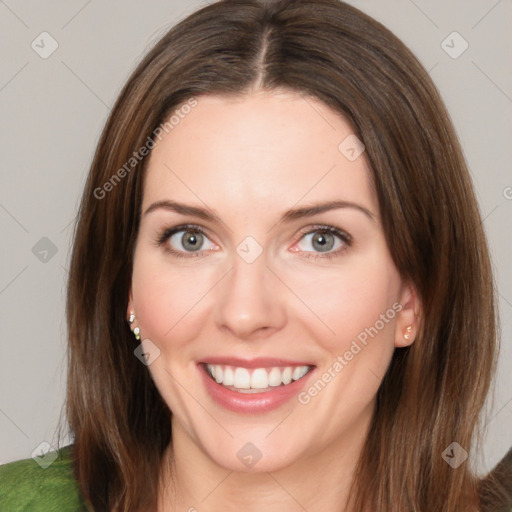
(250,159)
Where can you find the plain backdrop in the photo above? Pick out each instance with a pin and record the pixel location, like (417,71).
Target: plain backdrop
(53,108)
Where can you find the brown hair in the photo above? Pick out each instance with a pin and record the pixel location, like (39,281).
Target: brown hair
(434,391)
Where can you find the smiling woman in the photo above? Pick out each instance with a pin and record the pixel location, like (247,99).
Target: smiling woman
(263,324)
(271,310)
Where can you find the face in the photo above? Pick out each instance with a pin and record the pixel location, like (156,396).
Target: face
(263,283)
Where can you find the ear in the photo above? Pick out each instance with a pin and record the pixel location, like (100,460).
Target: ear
(130,315)
(129,307)
(409,316)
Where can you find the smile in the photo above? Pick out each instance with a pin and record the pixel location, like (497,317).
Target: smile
(257,380)
(253,386)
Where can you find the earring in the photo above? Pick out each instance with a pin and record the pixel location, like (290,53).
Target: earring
(136,331)
(408,331)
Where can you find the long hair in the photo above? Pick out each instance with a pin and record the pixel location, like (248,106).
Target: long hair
(434,390)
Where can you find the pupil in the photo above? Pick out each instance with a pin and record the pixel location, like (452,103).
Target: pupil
(323,241)
(192,241)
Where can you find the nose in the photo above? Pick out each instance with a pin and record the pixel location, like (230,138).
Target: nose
(250,301)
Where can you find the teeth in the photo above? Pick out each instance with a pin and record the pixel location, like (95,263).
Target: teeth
(299,372)
(229,376)
(274,377)
(219,374)
(260,378)
(242,378)
(287,375)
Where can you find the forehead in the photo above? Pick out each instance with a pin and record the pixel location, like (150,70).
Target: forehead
(267,149)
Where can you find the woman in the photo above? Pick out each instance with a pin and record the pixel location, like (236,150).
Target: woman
(280,295)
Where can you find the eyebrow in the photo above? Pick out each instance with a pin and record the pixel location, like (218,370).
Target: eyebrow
(295,213)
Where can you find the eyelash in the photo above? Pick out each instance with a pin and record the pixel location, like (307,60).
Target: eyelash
(162,238)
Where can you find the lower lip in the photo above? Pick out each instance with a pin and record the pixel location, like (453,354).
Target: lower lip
(252,403)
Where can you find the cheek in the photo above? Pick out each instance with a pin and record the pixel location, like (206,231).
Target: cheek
(353,302)
(166,297)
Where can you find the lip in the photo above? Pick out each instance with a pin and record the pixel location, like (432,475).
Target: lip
(252,403)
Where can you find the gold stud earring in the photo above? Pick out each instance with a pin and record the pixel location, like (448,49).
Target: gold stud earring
(407,333)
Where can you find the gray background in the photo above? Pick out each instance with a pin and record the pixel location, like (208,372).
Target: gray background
(52,113)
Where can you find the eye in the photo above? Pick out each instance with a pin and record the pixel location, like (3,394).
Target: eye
(185,241)
(324,240)
(192,241)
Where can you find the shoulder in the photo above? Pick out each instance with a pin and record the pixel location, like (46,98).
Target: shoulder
(27,486)
(496,488)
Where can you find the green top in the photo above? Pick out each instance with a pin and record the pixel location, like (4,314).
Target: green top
(26,485)
(49,485)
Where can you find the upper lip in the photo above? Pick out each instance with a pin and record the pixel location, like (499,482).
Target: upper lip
(258,362)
